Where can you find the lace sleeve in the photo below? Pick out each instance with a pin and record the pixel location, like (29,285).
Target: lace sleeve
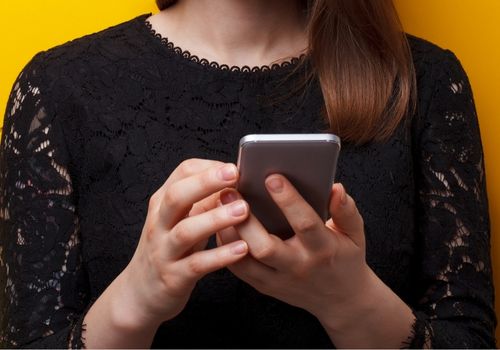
(42,285)
(456,305)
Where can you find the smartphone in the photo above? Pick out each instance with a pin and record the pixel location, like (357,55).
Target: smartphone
(308,161)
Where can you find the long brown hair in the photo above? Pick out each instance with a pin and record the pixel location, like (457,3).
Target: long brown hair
(362,59)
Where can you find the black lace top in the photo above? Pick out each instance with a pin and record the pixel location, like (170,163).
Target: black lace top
(95,126)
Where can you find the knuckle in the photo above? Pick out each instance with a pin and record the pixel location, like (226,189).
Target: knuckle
(154,201)
(303,266)
(306,224)
(149,232)
(171,197)
(195,266)
(181,235)
(187,167)
(220,262)
(202,182)
(174,285)
(170,278)
(265,252)
(218,218)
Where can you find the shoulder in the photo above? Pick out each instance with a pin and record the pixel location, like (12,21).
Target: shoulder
(65,79)
(430,59)
(440,75)
(433,62)
(86,54)
(424,50)
(445,102)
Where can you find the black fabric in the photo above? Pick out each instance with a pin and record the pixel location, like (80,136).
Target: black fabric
(95,126)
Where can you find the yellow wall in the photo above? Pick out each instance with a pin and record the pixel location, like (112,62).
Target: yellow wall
(469,27)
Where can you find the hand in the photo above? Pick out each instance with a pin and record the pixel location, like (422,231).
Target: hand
(322,267)
(170,259)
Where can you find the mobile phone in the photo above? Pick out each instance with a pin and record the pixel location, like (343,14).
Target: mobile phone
(308,161)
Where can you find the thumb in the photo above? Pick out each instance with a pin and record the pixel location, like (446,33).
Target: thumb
(345,215)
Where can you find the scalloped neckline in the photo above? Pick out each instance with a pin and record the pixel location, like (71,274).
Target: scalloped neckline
(203,62)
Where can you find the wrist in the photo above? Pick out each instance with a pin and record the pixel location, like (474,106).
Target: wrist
(127,309)
(373,317)
(116,320)
(345,313)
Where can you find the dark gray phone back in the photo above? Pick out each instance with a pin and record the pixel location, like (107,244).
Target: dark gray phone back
(307,160)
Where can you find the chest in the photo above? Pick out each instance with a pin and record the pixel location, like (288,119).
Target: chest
(130,154)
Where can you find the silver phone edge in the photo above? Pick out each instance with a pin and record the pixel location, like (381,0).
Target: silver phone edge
(289,138)
(253,138)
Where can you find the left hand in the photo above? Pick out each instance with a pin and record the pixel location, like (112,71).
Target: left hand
(321,268)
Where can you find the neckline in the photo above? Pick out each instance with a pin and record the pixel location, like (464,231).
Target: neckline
(213,65)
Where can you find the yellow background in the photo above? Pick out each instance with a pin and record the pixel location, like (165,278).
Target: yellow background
(471,28)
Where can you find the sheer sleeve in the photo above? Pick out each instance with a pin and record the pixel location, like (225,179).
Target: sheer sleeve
(456,305)
(42,284)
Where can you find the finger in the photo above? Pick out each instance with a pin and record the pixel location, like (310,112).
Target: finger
(191,230)
(189,167)
(253,272)
(180,196)
(205,204)
(266,248)
(227,235)
(201,245)
(200,207)
(200,263)
(303,219)
(345,215)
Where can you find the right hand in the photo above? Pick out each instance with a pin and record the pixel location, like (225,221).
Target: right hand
(170,257)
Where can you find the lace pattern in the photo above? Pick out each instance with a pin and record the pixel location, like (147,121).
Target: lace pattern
(39,232)
(456,263)
(215,65)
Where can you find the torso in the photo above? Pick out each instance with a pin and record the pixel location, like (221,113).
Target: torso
(141,108)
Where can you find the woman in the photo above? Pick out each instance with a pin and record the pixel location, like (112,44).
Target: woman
(117,169)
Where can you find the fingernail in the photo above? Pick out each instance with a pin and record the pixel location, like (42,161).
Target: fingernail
(239,248)
(238,208)
(228,197)
(275,184)
(227,172)
(343,198)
